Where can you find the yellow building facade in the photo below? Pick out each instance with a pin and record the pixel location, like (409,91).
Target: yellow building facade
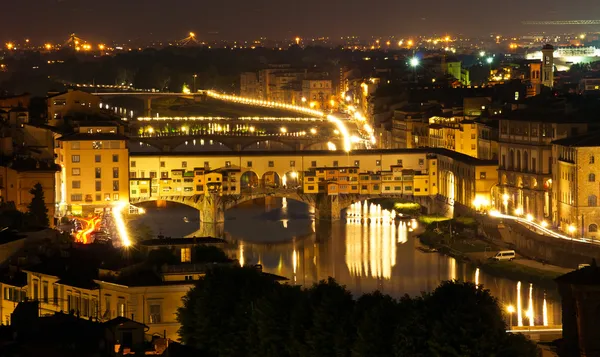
(70,103)
(17,180)
(525,168)
(416,172)
(94,169)
(454,134)
(154,305)
(576,187)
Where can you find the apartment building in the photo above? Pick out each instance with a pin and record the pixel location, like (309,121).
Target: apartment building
(94,168)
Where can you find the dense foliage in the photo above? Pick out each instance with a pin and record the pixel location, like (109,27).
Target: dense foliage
(38,212)
(241,312)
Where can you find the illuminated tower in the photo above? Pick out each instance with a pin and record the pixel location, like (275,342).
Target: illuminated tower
(548,66)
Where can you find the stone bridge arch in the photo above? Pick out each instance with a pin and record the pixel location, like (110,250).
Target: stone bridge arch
(212,207)
(282,144)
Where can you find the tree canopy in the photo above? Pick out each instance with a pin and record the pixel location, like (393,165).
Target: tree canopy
(242,312)
(38,211)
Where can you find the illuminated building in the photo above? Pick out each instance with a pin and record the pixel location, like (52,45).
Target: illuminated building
(542,73)
(410,125)
(17,178)
(575,178)
(525,168)
(249,85)
(589,85)
(318,91)
(467,182)
(94,168)
(565,56)
(153,302)
(459,73)
(71,103)
(487,140)
(463,179)
(453,134)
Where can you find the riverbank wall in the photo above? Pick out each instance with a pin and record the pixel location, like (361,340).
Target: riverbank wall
(556,251)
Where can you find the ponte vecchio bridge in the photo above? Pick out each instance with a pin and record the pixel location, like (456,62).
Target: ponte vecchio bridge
(329,181)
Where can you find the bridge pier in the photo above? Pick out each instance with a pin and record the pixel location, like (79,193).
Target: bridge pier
(212,209)
(148,106)
(328,207)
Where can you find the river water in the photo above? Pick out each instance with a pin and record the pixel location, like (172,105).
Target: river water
(362,254)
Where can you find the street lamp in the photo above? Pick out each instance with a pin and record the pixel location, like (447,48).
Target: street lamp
(572,230)
(511,310)
(194,87)
(414,62)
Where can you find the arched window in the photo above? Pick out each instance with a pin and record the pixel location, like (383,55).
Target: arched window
(592,200)
(511,160)
(525,161)
(592,178)
(518,168)
(593,228)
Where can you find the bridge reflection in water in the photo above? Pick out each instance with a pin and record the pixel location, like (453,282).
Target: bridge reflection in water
(364,255)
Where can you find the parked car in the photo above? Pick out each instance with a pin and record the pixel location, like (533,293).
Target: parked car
(504,255)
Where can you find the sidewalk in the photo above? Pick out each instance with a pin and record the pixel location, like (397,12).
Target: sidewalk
(537,265)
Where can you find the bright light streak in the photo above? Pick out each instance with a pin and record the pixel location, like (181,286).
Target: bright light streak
(355,139)
(342,128)
(539,227)
(117,212)
(83,236)
(332,119)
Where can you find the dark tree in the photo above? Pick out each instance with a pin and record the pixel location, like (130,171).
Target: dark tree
(331,331)
(375,319)
(242,312)
(272,333)
(209,254)
(38,212)
(216,313)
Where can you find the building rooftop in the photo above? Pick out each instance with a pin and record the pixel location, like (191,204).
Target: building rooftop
(94,136)
(585,140)
(309,153)
(22,164)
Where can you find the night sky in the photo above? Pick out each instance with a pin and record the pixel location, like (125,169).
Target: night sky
(96,20)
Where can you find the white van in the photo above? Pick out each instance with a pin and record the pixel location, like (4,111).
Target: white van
(504,255)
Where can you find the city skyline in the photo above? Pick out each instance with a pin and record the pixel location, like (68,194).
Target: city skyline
(54,19)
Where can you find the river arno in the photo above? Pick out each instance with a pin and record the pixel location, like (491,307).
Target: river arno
(283,237)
